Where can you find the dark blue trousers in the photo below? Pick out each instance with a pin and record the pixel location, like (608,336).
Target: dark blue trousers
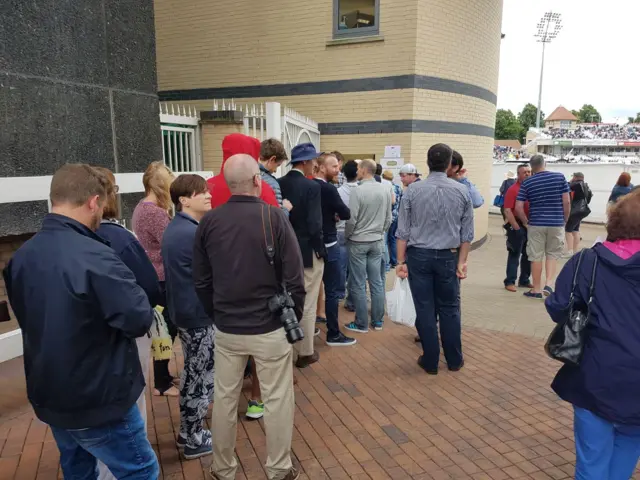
(436,295)
(333,284)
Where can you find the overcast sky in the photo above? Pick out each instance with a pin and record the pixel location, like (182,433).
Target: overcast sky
(594,59)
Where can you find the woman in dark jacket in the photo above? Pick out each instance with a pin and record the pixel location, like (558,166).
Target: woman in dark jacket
(621,188)
(127,247)
(605,389)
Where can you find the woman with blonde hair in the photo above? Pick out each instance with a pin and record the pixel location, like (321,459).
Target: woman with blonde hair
(150,219)
(127,247)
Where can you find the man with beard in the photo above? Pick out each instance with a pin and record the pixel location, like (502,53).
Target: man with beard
(80,311)
(333,209)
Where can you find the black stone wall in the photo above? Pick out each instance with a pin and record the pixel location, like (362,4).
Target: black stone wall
(77,84)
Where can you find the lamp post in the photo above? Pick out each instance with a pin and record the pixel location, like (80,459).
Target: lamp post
(548,28)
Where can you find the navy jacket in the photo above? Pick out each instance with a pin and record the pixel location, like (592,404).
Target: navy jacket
(306,216)
(183,303)
(618,192)
(332,205)
(128,248)
(80,311)
(607,382)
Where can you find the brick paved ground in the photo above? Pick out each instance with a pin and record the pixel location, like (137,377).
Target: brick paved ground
(370,412)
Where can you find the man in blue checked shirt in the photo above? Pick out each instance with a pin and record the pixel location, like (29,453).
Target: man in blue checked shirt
(435,231)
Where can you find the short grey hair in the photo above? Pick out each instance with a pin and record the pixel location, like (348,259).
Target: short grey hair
(537,161)
(369,165)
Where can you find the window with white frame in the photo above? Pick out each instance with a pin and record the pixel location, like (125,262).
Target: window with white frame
(353,18)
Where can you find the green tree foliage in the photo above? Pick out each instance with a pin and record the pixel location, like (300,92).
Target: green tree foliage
(588,114)
(636,119)
(527,117)
(507,126)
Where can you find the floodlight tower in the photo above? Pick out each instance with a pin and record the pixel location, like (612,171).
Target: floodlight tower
(548,28)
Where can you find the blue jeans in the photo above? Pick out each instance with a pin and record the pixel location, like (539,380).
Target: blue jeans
(517,256)
(344,265)
(123,447)
(436,295)
(391,243)
(331,278)
(365,260)
(604,451)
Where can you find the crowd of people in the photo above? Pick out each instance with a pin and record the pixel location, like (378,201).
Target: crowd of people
(601,131)
(503,152)
(242,267)
(542,217)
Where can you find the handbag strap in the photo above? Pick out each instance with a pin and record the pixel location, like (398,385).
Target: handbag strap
(592,286)
(575,277)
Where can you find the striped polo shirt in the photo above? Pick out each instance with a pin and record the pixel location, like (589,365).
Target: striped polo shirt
(544,192)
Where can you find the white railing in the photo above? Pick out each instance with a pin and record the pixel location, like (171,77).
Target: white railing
(180,128)
(271,120)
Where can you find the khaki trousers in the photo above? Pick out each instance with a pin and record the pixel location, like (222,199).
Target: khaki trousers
(312,282)
(274,363)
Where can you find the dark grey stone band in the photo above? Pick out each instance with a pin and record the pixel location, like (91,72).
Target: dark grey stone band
(405,126)
(22,217)
(397,82)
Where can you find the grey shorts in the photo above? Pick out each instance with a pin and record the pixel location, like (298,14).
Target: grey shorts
(545,242)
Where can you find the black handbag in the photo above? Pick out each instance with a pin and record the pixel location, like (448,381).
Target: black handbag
(566,342)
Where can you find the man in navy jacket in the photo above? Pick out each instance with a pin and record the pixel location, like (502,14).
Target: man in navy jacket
(191,198)
(80,311)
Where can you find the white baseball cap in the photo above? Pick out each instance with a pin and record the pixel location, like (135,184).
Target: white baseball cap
(409,168)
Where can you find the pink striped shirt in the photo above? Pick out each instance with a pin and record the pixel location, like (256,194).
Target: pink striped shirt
(149,223)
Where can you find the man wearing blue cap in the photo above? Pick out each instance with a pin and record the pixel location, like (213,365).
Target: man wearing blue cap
(306,219)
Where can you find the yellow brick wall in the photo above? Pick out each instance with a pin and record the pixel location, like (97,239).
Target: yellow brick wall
(402,104)
(204,43)
(460,40)
(8,246)
(367,144)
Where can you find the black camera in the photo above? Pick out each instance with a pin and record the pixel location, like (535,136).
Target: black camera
(282,305)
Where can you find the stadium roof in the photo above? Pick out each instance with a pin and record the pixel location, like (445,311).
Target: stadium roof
(561,113)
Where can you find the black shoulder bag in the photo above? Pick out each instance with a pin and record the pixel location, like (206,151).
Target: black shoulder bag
(566,342)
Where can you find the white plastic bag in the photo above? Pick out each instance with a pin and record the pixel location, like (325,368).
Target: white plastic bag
(400,303)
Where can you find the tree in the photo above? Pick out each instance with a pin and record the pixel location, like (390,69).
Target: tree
(588,114)
(636,119)
(527,117)
(575,112)
(507,126)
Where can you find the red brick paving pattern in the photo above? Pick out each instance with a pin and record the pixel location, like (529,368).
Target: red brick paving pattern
(369,412)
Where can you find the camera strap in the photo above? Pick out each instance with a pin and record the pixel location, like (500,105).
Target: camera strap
(269,241)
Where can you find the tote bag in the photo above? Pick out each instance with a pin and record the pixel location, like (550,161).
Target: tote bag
(161,344)
(400,303)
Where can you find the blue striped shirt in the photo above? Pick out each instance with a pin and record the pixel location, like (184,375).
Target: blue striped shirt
(544,192)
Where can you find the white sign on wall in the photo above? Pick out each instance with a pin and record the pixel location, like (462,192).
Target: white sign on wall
(392,151)
(394,165)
